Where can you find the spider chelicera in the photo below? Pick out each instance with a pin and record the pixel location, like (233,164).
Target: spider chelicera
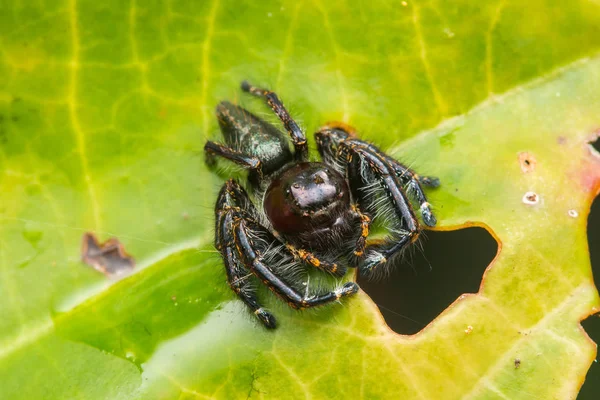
(310,214)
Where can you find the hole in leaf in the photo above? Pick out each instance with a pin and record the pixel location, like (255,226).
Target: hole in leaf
(591,386)
(596,144)
(452,263)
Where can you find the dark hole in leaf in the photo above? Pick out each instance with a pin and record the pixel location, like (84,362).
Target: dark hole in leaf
(421,287)
(596,144)
(591,386)
(109,257)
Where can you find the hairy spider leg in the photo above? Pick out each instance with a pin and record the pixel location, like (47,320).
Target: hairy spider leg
(411,180)
(365,225)
(298,137)
(360,157)
(212,149)
(253,262)
(312,260)
(231,202)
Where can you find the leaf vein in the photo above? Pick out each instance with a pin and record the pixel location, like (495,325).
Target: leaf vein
(74,117)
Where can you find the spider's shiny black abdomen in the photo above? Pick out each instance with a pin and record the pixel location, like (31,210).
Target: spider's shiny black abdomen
(308,203)
(307,214)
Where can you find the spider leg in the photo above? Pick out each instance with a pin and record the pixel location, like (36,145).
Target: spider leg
(412,182)
(243,229)
(330,137)
(362,160)
(212,149)
(310,259)
(365,224)
(232,202)
(298,137)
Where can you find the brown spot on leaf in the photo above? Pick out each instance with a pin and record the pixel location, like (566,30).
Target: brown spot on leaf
(109,257)
(561,140)
(527,161)
(517,363)
(531,198)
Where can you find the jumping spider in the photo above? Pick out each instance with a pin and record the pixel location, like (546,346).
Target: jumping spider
(313,214)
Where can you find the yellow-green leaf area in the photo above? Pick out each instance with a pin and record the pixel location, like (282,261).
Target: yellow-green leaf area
(104,109)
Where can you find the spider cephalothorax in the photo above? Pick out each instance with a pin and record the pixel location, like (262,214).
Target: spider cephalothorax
(311,214)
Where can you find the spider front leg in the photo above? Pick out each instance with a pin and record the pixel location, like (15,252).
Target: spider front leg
(233,202)
(244,230)
(376,186)
(298,137)
(375,182)
(332,135)
(212,149)
(413,182)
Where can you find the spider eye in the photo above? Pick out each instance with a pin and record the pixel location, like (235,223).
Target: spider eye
(305,197)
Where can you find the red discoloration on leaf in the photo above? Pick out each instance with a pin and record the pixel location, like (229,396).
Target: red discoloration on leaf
(590,173)
(109,257)
(590,178)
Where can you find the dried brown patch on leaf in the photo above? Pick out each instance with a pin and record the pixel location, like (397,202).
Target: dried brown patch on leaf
(527,161)
(109,257)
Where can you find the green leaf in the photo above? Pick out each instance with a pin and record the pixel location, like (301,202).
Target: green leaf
(103,114)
